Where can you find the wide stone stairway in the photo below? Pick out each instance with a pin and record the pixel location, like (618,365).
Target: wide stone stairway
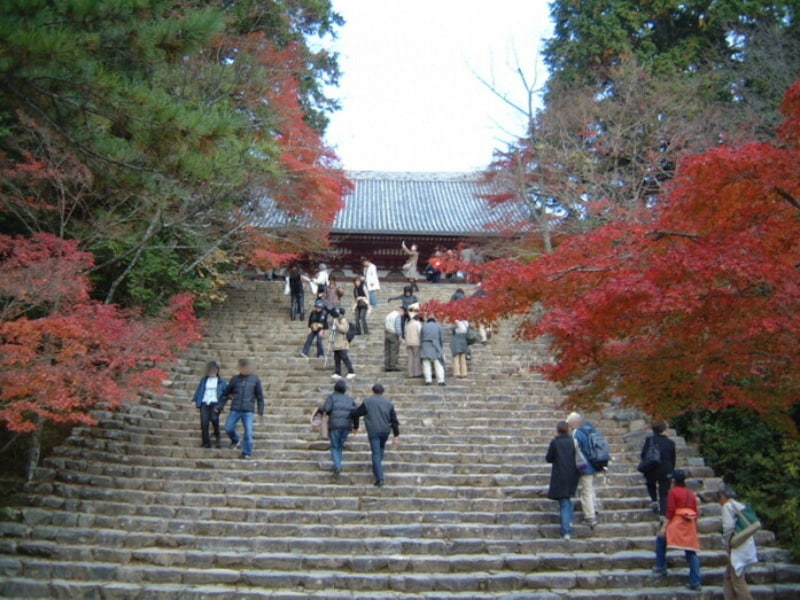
(135,508)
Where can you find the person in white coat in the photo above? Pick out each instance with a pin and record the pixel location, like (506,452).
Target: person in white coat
(371,280)
(739,558)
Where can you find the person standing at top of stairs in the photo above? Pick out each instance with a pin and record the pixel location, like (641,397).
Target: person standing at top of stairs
(246,396)
(372,281)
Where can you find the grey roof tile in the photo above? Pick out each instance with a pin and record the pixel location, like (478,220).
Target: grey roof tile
(423,203)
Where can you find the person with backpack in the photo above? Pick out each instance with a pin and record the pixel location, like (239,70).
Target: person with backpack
(342,336)
(679,530)
(594,453)
(658,462)
(740,557)
(393,327)
(459,346)
(340,408)
(563,476)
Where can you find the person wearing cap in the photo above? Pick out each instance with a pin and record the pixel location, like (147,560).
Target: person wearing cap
(206,397)
(679,530)
(371,280)
(580,433)
(247,397)
(341,421)
(393,338)
(341,346)
(317,326)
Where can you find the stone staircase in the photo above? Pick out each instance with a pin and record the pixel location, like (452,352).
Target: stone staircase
(134,508)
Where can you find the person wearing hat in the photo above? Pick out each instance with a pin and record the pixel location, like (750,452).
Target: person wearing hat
(208,393)
(744,555)
(394,323)
(317,326)
(679,530)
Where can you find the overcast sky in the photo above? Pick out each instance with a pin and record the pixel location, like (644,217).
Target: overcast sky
(410,95)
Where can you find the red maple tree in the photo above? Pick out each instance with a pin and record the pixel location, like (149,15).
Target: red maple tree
(62,354)
(698,309)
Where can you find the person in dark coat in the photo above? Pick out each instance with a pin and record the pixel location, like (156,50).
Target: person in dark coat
(340,408)
(432,351)
(380,419)
(563,476)
(658,477)
(247,396)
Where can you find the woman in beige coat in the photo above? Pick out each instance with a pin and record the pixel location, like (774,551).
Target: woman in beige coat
(413,343)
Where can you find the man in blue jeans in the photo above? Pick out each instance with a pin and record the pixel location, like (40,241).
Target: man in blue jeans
(339,407)
(380,419)
(246,396)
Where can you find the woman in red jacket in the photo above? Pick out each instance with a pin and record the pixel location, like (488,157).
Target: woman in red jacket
(679,530)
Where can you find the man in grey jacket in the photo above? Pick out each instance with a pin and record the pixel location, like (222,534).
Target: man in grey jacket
(246,395)
(432,351)
(380,419)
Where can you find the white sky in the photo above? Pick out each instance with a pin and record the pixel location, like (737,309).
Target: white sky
(411,100)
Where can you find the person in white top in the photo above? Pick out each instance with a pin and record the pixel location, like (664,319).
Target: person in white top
(734,583)
(208,393)
(371,280)
(320,281)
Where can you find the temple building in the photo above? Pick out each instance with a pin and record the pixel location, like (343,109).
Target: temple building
(432,210)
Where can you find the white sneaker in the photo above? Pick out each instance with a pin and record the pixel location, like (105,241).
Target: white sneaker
(351,376)
(336,376)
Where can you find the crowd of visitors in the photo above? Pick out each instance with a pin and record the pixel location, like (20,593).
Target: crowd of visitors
(578,453)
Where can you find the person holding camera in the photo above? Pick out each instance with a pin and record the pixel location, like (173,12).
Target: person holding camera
(317,326)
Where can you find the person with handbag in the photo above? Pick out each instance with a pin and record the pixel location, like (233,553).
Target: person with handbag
(339,408)
(741,545)
(679,530)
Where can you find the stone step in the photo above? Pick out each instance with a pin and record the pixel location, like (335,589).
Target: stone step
(333,578)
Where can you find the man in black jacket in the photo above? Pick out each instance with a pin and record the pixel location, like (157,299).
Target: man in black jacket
(340,408)
(380,418)
(658,476)
(246,395)
(563,476)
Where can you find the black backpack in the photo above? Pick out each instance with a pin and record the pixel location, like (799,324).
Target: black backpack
(652,457)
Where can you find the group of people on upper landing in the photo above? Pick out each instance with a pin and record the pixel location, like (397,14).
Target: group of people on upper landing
(422,337)
(579,452)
